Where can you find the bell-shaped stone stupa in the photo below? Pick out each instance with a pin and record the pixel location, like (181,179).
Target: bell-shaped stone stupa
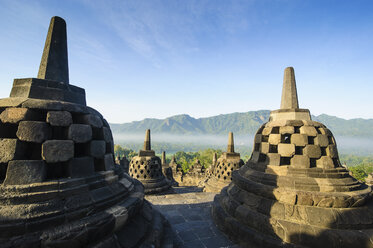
(293,192)
(59,186)
(147,168)
(225,165)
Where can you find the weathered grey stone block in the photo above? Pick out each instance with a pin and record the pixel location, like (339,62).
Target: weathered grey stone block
(287,130)
(15,115)
(258,138)
(54,151)
(286,150)
(25,172)
(312,151)
(59,118)
(332,151)
(264,147)
(273,158)
(322,140)
(309,130)
(89,119)
(274,139)
(255,156)
(325,162)
(97,148)
(33,131)
(300,161)
(81,167)
(80,133)
(267,130)
(109,161)
(11,149)
(299,139)
(107,134)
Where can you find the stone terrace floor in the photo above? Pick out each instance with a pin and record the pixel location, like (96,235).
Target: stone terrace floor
(189,212)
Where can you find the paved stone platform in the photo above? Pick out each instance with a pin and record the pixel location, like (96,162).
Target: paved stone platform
(188,210)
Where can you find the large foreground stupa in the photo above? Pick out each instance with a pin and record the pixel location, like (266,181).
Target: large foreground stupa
(59,186)
(293,192)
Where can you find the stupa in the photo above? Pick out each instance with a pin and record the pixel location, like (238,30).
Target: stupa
(210,170)
(59,185)
(225,165)
(195,176)
(167,170)
(147,168)
(293,192)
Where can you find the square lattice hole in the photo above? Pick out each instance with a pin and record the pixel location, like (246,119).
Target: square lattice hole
(285,161)
(3,168)
(99,164)
(285,138)
(323,151)
(273,149)
(311,140)
(331,141)
(298,150)
(312,162)
(81,149)
(97,133)
(275,130)
(265,138)
(57,170)
(318,130)
(262,157)
(256,147)
(296,129)
(59,133)
(8,131)
(33,151)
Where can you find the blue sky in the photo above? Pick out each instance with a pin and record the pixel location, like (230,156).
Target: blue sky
(153,59)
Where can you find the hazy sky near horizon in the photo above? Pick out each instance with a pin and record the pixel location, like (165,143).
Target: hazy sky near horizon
(154,59)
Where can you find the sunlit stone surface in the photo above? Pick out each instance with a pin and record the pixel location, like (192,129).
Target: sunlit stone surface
(293,192)
(59,184)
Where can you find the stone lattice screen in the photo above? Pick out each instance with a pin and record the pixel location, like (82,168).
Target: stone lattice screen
(302,144)
(60,143)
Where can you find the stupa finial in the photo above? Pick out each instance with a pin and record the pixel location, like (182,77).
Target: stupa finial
(230,143)
(147,146)
(54,62)
(289,98)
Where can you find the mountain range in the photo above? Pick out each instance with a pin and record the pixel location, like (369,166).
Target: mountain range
(239,123)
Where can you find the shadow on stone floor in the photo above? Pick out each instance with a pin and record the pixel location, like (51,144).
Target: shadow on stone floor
(193,226)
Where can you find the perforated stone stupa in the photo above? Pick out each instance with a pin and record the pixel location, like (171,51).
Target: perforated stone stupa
(147,168)
(225,165)
(293,192)
(59,186)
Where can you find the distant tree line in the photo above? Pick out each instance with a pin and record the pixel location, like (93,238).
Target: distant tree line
(360,166)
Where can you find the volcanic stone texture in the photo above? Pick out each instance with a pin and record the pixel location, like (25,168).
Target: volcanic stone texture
(293,192)
(148,170)
(55,133)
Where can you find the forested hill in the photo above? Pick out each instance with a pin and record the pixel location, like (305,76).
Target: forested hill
(239,123)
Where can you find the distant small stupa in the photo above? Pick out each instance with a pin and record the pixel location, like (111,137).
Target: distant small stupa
(147,168)
(225,165)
